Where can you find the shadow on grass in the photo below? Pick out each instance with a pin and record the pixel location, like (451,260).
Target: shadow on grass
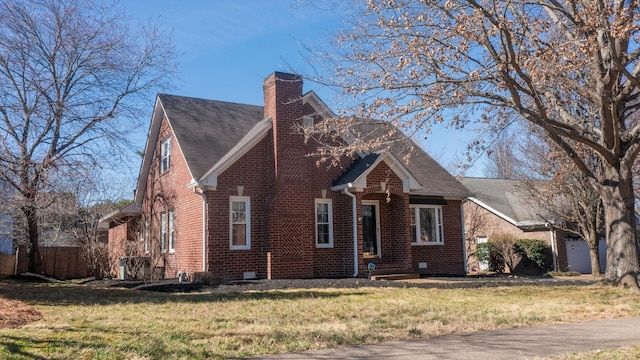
(66,294)
(26,347)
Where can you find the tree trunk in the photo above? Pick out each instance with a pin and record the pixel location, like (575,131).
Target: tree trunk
(620,222)
(595,261)
(30,214)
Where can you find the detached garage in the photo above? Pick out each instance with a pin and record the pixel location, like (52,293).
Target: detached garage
(578,258)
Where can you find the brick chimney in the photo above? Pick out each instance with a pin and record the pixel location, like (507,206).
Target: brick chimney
(283,104)
(290,249)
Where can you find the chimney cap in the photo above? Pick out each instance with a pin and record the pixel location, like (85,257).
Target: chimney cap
(285,76)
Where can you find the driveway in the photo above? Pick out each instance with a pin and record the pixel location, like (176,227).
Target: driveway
(518,343)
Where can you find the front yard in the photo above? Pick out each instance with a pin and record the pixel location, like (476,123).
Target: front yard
(84,322)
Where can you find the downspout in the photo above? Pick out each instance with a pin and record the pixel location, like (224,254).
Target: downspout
(200,191)
(355,230)
(553,246)
(464,234)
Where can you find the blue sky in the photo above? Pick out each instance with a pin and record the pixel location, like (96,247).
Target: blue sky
(228,48)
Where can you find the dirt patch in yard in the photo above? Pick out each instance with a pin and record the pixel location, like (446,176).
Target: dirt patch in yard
(16,313)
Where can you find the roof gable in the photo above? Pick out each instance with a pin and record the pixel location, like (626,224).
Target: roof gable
(505,199)
(205,131)
(356,176)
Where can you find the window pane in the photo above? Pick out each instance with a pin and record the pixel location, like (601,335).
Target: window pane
(323,233)
(239,235)
(427,225)
(239,212)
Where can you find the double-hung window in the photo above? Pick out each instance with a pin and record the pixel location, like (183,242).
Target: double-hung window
(163,232)
(145,232)
(324,223)
(240,223)
(426,225)
(172,232)
(165,154)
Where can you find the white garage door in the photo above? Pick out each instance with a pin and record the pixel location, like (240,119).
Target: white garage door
(578,256)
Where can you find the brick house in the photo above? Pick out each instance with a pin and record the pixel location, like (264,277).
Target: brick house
(229,189)
(499,206)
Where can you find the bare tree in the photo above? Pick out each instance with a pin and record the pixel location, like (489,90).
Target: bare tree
(567,196)
(72,74)
(570,68)
(502,159)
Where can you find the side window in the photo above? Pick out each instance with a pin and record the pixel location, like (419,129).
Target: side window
(172,232)
(239,223)
(165,154)
(163,232)
(324,223)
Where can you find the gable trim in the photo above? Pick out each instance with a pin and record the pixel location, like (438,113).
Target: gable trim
(408,181)
(251,139)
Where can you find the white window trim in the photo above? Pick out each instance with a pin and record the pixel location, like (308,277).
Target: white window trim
(172,232)
(439,225)
(165,144)
(329,203)
(247,201)
(163,232)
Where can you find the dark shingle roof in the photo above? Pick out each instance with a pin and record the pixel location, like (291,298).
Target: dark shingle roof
(506,197)
(207,129)
(435,180)
(357,169)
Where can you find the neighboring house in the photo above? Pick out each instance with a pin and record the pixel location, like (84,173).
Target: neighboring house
(230,189)
(500,206)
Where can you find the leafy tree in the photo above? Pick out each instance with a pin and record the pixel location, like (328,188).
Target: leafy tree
(571,68)
(72,74)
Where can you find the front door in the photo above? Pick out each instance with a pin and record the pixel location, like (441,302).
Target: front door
(370,237)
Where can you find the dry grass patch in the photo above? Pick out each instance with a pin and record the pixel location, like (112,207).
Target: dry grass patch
(16,313)
(121,324)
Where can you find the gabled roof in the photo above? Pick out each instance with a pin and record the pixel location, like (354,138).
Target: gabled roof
(208,129)
(214,134)
(508,200)
(205,130)
(433,178)
(356,176)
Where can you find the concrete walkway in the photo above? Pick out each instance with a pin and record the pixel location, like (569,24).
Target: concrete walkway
(519,343)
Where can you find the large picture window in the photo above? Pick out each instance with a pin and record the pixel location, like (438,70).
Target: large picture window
(426,225)
(324,223)
(165,154)
(240,222)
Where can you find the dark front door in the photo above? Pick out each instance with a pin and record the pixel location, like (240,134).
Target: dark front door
(369,230)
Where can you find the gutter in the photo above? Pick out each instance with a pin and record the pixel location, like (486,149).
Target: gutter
(355,230)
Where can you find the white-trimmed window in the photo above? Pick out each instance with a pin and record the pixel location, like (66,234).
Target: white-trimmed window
(163,232)
(324,223)
(426,225)
(165,154)
(172,232)
(240,223)
(145,234)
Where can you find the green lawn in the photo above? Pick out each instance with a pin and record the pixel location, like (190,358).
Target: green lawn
(110,323)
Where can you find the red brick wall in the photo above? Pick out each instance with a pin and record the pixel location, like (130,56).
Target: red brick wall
(250,172)
(447,258)
(169,191)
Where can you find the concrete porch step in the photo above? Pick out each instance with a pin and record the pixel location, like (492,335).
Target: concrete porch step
(397,276)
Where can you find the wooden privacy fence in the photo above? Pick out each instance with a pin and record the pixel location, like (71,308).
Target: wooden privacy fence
(58,262)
